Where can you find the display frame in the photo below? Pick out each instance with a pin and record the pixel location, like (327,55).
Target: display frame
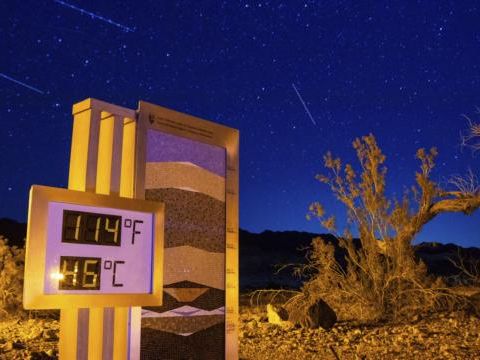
(36,245)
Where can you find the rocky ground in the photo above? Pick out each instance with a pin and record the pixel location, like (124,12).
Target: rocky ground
(35,339)
(454,335)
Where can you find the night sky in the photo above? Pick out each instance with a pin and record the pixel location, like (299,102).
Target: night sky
(297,79)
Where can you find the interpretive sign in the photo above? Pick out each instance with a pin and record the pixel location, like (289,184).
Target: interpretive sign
(85,249)
(127,288)
(191,165)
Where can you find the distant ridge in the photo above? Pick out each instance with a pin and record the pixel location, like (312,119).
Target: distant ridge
(14,231)
(261,254)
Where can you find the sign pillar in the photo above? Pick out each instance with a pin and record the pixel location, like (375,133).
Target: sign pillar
(101,161)
(184,164)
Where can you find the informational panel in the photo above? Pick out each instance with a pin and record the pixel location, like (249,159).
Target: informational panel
(186,163)
(85,249)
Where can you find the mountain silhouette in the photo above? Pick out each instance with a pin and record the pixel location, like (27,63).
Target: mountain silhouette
(263,254)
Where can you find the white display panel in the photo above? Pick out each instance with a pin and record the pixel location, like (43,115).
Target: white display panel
(95,250)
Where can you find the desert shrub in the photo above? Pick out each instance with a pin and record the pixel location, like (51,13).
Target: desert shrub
(11,278)
(469,269)
(378,276)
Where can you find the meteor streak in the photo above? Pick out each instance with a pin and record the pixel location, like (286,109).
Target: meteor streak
(95,16)
(21,83)
(304,105)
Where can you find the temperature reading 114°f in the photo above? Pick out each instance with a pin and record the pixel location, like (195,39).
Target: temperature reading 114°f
(91,228)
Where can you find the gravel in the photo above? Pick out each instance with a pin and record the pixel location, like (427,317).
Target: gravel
(453,335)
(35,339)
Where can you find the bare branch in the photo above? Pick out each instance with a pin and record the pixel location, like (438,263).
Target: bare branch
(472,138)
(467,184)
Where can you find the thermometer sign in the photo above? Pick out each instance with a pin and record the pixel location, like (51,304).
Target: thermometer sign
(92,249)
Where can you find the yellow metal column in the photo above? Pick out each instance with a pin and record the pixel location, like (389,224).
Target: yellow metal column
(82,176)
(120,340)
(95,334)
(102,186)
(101,161)
(83,154)
(127,182)
(67,345)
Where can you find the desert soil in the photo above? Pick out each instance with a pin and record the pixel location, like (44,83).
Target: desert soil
(454,335)
(35,339)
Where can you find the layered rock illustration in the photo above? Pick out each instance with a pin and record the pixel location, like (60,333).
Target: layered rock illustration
(189,177)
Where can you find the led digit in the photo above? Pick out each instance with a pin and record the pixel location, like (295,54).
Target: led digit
(113,230)
(89,279)
(71,226)
(69,276)
(92,228)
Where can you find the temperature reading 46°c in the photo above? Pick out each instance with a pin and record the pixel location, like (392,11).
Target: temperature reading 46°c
(79,273)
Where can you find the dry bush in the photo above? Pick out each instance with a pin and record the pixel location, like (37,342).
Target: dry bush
(379,276)
(11,278)
(469,270)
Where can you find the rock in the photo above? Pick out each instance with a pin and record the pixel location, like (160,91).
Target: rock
(18,345)
(50,335)
(51,352)
(35,333)
(321,315)
(263,318)
(40,356)
(276,314)
(251,325)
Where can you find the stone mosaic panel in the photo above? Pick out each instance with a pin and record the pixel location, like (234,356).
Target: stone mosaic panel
(191,218)
(208,344)
(186,176)
(189,177)
(162,147)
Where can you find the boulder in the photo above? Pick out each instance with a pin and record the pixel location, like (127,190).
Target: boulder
(276,314)
(18,345)
(319,314)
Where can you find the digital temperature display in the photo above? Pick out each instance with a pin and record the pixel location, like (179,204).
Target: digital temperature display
(86,249)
